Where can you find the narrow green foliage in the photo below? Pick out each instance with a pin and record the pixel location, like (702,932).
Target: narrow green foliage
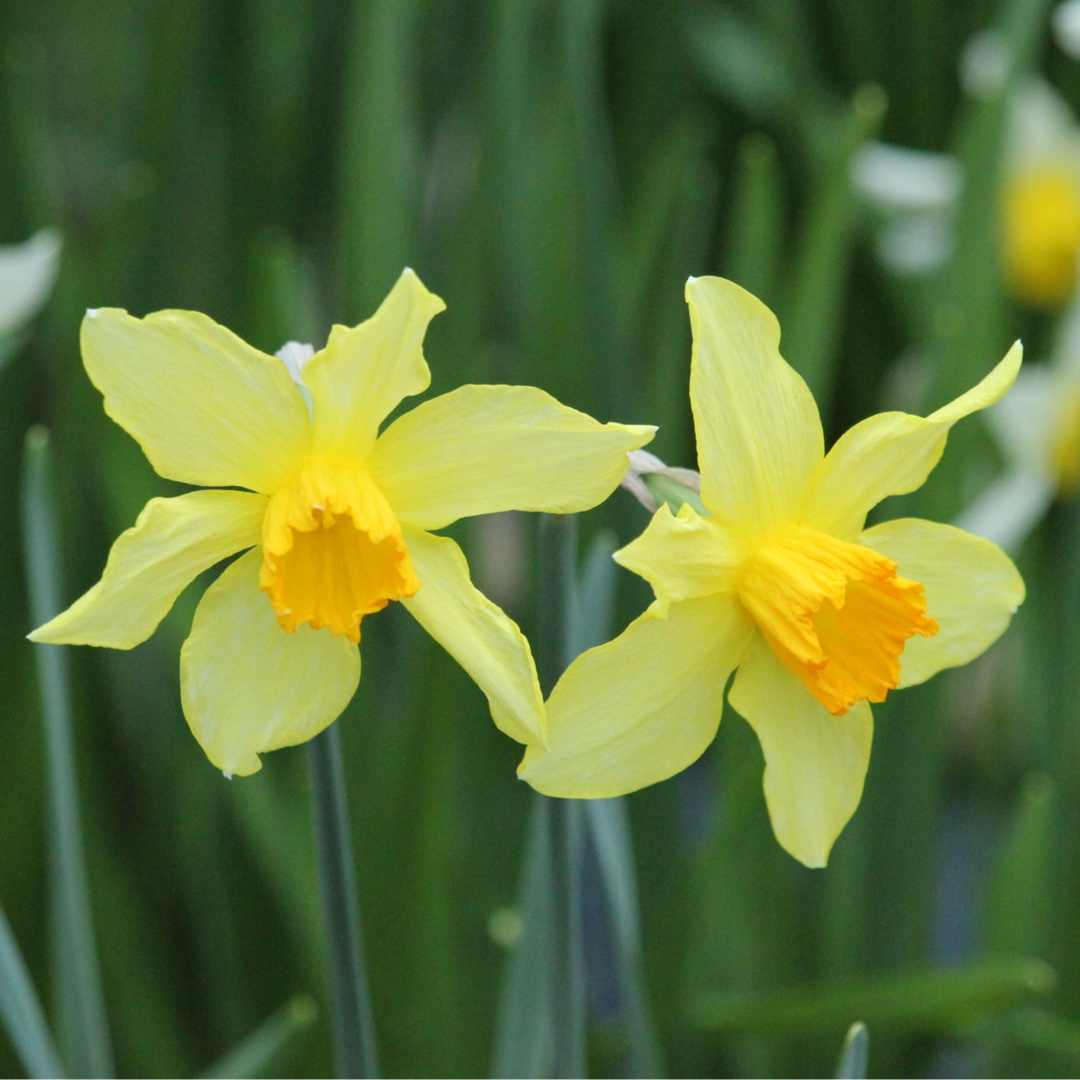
(261,1051)
(607,822)
(757,219)
(350,1005)
(532,1038)
(540,1030)
(21,1011)
(380,169)
(931,1000)
(1018,919)
(79,1002)
(1038,1029)
(609,830)
(812,305)
(742,58)
(854,1054)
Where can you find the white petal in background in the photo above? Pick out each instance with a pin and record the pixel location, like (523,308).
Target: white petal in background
(1027,424)
(27,274)
(914,193)
(1007,510)
(1065,23)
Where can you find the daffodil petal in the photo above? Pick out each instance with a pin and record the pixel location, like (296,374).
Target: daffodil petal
(485,641)
(758,431)
(682,555)
(972,590)
(815,763)
(247,685)
(891,454)
(642,707)
(482,449)
(1026,419)
(206,408)
(151,563)
(365,370)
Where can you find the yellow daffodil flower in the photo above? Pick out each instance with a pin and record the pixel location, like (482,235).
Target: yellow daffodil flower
(780,581)
(335,517)
(914,194)
(1041,197)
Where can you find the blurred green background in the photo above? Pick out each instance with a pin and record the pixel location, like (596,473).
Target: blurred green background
(554,169)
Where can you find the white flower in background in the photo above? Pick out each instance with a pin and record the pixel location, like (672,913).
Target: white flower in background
(914,194)
(1041,197)
(1065,22)
(1037,427)
(27,274)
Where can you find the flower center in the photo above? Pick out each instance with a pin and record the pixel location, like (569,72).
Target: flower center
(1042,235)
(333,551)
(836,613)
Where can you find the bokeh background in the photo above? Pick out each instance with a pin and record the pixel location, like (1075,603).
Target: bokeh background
(554,169)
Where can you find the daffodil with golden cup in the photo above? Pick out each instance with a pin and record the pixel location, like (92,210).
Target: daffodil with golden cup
(780,583)
(1041,197)
(334,517)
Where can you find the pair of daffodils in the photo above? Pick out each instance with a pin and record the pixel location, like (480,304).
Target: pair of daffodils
(779,580)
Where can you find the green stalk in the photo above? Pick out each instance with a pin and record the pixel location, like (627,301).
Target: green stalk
(80,1004)
(21,1013)
(350,1004)
(566,960)
(540,1030)
(266,1045)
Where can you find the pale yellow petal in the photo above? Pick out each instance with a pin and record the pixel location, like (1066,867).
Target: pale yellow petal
(482,449)
(815,763)
(247,685)
(206,408)
(365,370)
(483,639)
(642,707)
(758,431)
(891,454)
(983,394)
(683,555)
(972,590)
(153,562)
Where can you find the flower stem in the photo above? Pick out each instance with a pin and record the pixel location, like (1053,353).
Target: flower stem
(81,1020)
(556,613)
(566,960)
(350,1004)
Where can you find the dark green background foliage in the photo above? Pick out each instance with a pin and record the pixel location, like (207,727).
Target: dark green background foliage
(554,169)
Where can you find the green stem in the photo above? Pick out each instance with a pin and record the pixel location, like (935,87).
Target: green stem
(566,961)
(81,1019)
(20,1011)
(350,1004)
(556,604)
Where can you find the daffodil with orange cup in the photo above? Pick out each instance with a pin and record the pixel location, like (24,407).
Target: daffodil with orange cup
(781,583)
(335,519)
